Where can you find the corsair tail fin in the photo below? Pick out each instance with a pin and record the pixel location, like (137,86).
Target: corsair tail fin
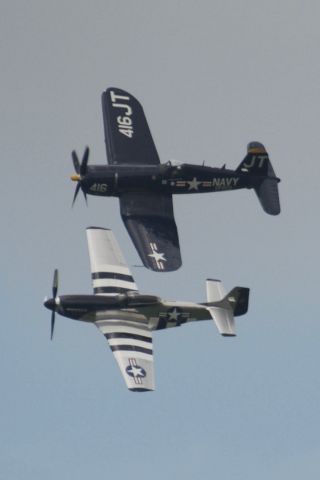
(223,308)
(257,163)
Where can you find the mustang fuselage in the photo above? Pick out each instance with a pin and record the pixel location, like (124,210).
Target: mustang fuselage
(113,180)
(147,309)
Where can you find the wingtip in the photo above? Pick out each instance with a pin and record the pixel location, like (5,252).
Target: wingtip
(137,389)
(160,266)
(98,228)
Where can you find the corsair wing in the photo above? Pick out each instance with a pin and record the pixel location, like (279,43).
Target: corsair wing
(127,135)
(109,272)
(131,344)
(150,222)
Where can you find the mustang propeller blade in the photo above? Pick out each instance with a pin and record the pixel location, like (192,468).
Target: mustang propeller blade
(54,295)
(53,314)
(81,170)
(55,283)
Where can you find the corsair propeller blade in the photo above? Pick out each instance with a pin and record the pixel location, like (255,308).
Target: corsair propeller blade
(84,163)
(76,193)
(76,162)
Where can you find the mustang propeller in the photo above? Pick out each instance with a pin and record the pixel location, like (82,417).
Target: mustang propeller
(81,170)
(51,303)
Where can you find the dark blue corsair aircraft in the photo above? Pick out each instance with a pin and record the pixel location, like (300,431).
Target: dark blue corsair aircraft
(145,186)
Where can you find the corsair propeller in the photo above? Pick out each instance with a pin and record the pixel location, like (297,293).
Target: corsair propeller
(81,170)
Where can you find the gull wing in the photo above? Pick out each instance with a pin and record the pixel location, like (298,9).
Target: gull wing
(131,344)
(109,271)
(127,135)
(150,222)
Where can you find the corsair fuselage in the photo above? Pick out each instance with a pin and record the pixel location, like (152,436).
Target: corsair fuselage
(113,180)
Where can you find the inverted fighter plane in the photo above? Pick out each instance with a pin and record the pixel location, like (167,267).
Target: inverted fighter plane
(145,186)
(127,318)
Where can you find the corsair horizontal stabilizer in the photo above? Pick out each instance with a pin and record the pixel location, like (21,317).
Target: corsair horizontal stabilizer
(265,183)
(268,195)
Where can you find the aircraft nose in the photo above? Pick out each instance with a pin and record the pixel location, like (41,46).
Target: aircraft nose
(50,303)
(75,178)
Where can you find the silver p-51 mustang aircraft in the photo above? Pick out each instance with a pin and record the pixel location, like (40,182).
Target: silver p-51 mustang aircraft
(127,318)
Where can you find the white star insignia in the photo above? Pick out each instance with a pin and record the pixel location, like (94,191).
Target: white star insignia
(136,371)
(159,257)
(194,184)
(174,315)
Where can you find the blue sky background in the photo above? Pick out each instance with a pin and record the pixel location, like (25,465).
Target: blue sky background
(212,76)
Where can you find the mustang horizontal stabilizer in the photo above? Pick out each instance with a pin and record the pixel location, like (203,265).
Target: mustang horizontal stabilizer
(131,344)
(257,163)
(127,135)
(215,290)
(109,271)
(223,308)
(224,321)
(149,220)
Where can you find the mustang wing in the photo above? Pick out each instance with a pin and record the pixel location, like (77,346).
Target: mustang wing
(149,220)
(127,135)
(109,271)
(131,344)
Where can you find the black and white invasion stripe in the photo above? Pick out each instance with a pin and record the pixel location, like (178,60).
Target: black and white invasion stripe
(113,279)
(131,345)
(135,340)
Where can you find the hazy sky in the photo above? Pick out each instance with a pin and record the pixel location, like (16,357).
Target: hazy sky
(212,76)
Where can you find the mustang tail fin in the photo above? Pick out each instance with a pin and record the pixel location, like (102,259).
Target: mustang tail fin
(257,163)
(223,308)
